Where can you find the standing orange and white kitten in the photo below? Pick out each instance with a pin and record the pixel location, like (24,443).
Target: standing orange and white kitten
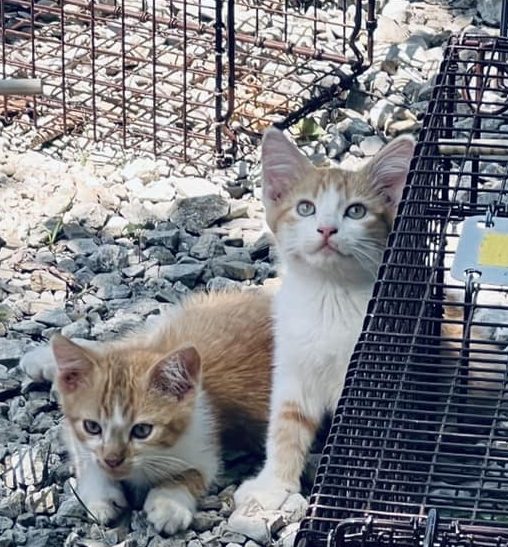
(331,228)
(149,411)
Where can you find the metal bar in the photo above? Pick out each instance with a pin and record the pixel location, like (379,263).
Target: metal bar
(184,69)
(219,152)
(63,66)
(21,86)
(93,54)
(154,76)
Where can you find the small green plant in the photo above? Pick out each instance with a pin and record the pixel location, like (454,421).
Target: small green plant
(54,232)
(135,231)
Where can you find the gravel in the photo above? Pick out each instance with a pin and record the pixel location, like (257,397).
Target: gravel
(93,249)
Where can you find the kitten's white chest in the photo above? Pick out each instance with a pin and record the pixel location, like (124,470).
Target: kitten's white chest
(316,330)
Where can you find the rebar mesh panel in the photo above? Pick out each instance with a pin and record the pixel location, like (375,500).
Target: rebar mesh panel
(172,77)
(423,419)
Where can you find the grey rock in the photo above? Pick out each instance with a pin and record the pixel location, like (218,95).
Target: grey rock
(27,466)
(190,187)
(207,246)
(252,527)
(136,270)
(370,146)
(157,191)
(234,269)
(210,503)
(381,113)
(42,280)
(83,276)
(203,521)
(43,501)
(26,519)
(144,169)
(77,329)
(52,318)
(354,126)
(490,11)
(382,83)
(29,327)
(161,255)
(5,523)
(238,253)
(108,258)
(188,274)
(108,279)
(7,539)
(116,226)
(167,238)
(66,265)
(198,213)
(337,145)
(37,537)
(92,216)
(287,535)
(82,246)
(9,387)
(12,505)
(71,508)
(10,433)
(42,422)
(232,537)
(113,292)
(11,351)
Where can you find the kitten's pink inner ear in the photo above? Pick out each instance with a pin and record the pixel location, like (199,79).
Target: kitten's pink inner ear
(283,165)
(177,373)
(389,168)
(73,363)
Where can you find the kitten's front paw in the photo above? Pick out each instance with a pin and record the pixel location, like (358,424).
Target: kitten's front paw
(105,511)
(167,515)
(267,492)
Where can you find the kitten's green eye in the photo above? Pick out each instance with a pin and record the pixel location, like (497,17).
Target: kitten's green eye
(141,431)
(91,427)
(305,208)
(356,211)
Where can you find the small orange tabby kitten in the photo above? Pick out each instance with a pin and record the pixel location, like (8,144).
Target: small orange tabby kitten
(149,410)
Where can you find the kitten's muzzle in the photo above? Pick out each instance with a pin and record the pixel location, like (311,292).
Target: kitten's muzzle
(327,231)
(114,461)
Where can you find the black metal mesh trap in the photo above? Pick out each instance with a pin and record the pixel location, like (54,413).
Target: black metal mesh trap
(418,450)
(179,78)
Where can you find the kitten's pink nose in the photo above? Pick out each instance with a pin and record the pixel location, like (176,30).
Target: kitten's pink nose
(114,461)
(327,231)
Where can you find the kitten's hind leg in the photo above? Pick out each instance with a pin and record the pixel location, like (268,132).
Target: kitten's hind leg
(290,433)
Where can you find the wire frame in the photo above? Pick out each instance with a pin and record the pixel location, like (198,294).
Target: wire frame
(418,450)
(182,79)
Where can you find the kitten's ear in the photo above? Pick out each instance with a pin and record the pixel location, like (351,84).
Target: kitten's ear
(74,364)
(389,168)
(283,165)
(177,373)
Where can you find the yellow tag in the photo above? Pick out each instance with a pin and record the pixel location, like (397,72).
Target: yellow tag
(494,250)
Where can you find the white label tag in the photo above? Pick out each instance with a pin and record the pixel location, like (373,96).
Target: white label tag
(483,250)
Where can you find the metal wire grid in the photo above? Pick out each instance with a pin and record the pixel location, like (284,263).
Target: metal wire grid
(422,424)
(180,78)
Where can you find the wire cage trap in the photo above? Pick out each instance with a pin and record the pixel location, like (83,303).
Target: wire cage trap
(418,449)
(183,79)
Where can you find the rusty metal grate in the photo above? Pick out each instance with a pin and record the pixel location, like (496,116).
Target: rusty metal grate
(418,450)
(184,79)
